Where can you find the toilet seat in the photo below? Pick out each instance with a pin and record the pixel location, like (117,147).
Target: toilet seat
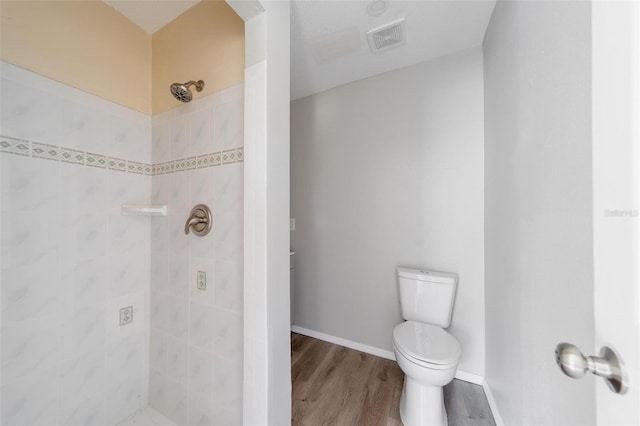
(426,345)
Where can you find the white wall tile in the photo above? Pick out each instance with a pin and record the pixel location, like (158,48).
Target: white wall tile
(229,181)
(177,360)
(83,189)
(184,109)
(160,234)
(129,139)
(82,126)
(178,278)
(83,283)
(24,246)
(128,273)
(139,326)
(158,351)
(207,296)
(202,187)
(200,372)
(227,379)
(178,317)
(129,234)
(32,400)
(201,326)
(83,330)
(30,292)
(160,272)
(229,125)
(29,185)
(176,401)
(160,189)
(127,396)
(202,131)
(178,240)
(84,237)
(82,377)
(227,333)
(157,391)
(201,411)
(85,412)
(209,101)
(159,315)
(61,291)
(180,138)
(179,203)
(128,357)
(233,93)
(187,392)
(229,285)
(229,237)
(127,188)
(29,347)
(203,246)
(29,113)
(160,139)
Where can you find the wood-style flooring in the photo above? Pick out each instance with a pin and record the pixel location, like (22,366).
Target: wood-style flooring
(334,385)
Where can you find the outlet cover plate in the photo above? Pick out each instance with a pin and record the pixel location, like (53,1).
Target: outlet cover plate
(126,315)
(202,280)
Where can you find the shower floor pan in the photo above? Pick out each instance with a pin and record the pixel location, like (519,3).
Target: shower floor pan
(146,417)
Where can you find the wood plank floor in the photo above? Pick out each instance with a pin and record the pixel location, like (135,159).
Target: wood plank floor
(334,385)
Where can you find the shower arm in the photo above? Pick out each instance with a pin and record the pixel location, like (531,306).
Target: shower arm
(199,84)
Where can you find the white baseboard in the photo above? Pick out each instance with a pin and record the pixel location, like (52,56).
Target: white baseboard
(344,342)
(469,377)
(492,403)
(460,375)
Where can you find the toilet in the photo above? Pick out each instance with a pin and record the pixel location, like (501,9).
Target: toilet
(427,355)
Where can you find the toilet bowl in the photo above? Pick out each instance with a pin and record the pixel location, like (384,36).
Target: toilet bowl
(426,353)
(428,356)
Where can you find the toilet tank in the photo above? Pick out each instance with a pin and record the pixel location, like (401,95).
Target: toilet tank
(427,296)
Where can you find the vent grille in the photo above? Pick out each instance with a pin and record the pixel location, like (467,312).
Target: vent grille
(387,36)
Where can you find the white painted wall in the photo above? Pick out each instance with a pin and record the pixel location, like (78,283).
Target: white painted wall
(267,357)
(388,171)
(616,199)
(538,211)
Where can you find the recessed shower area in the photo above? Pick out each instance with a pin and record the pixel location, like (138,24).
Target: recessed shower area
(107,158)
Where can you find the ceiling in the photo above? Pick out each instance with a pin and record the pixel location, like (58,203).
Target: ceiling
(434,28)
(151,15)
(329,46)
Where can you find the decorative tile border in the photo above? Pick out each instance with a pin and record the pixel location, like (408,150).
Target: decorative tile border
(32,149)
(15,146)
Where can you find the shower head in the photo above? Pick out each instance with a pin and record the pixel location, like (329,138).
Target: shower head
(181,91)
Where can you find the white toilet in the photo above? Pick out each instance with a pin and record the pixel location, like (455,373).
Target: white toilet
(427,355)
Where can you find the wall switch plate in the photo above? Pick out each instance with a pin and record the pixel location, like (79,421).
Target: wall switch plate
(202,280)
(126,315)
(292,224)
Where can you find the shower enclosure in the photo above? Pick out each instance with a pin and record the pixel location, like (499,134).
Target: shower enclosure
(105,312)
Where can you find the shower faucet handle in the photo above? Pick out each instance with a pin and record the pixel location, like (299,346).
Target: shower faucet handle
(199,221)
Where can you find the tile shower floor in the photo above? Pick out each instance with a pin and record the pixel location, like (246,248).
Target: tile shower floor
(146,417)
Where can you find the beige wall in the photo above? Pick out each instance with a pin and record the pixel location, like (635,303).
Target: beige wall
(85,44)
(89,45)
(204,43)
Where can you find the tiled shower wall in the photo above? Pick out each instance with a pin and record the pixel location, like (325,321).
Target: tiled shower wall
(196,335)
(69,260)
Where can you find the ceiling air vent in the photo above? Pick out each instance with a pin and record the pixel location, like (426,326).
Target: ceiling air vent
(388,36)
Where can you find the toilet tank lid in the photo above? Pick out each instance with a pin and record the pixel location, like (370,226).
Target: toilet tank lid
(428,276)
